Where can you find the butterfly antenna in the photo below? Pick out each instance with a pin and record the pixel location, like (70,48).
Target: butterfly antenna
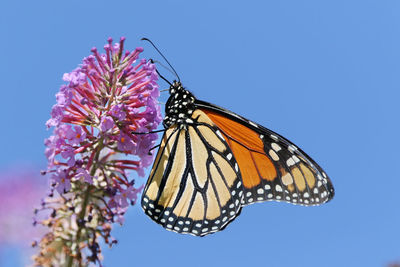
(159,74)
(155,47)
(165,67)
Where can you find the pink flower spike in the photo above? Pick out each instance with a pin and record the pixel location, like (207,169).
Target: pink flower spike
(109,96)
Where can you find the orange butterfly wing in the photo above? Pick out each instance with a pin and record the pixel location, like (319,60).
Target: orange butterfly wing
(271,167)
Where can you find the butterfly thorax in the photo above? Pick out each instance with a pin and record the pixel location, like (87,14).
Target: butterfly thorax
(179,107)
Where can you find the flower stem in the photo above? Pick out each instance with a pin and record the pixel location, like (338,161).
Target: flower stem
(82,213)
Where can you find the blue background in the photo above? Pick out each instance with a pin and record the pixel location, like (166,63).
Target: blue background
(324,74)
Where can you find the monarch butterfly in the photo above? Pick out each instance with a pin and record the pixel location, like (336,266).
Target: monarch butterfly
(212,162)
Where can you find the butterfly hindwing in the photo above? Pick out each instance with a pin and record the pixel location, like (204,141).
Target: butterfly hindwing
(195,185)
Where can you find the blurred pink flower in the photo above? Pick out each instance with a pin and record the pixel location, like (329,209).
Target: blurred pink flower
(21,188)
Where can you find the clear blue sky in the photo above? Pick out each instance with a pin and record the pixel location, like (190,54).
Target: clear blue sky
(325,74)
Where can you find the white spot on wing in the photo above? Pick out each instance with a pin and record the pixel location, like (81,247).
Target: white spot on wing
(274,137)
(253,124)
(290,162)
(276,147)
(292,148)
(273,155)
(220,135)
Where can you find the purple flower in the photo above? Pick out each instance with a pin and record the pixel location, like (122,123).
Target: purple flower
(106,123)
(125,143)
(84,175)
(75,77)
(65,96)
(75,135)
(68,153)
(130,193)
(121,200)
(56,116)
(54,144)
(118,112)
(144,144)
(62,181)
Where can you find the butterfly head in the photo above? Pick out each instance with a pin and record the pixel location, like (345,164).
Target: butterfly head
(179,107)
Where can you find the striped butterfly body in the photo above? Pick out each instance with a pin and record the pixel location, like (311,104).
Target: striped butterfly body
(212,162)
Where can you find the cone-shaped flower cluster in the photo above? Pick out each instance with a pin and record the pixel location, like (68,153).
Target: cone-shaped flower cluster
(107,100)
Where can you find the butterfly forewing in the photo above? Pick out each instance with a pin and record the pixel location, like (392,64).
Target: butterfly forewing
(272,168)
(195,184)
